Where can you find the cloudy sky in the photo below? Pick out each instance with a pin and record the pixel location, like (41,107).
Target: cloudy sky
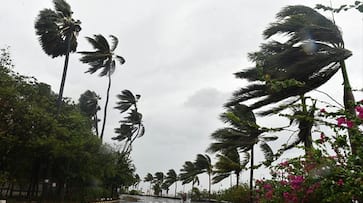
(180,56)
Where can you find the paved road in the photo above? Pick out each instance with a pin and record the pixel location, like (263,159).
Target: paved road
(147,199)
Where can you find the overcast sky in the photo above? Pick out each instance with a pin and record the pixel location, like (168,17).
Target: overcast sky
(180,56)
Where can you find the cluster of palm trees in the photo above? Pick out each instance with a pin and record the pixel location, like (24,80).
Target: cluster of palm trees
(228,163)
(311,52)
(58,32)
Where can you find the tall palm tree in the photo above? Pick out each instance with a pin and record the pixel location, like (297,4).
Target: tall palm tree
(311,54)
(242,134)
(159,180)
(149,178)
(203,164)
(228,163)
(88,104)
(57,32)
(131,127)
(103,59)
(171,178)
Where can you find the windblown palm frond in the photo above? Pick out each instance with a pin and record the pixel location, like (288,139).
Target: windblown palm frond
(126,100)
(103,57)
(188,172)
(55,28)
(228,163)
(309,57)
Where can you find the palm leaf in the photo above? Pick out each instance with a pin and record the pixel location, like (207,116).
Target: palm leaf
(268,153)
(63,8)
(114,42)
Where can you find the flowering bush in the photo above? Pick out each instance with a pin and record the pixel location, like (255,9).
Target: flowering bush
(329,172)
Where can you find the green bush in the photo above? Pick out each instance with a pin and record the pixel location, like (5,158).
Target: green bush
(235,194)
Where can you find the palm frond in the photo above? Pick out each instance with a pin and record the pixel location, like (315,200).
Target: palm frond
(114,43)
(126,100)
(63,8)
(219,177)
(268,153)
(120,59)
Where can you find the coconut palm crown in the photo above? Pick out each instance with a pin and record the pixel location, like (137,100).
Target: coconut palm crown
(311,52)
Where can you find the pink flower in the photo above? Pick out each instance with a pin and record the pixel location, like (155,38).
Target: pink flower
(341,120)
(269,195)
(322,110)
(359,109)
(296,181)
(322,137)
(285,163)
(286,195)
(349,123)
(283,182)
(340,182)
(267,186)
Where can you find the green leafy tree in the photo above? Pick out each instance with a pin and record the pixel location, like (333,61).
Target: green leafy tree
(57,32)
(37,144)
(242,134)
(228,163)
(103,59)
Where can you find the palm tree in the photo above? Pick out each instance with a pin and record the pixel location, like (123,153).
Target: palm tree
(203,164)
(171,178)
(131,127)
(158,181)
(189,173)
(242,134)
(137,181)
(103,59)
(229,162)
(313,52)
(165,186)
(88,104)
(304,118)
(149,178)
(57,32)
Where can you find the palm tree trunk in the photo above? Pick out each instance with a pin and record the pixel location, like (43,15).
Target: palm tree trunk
(308,142)
(64,75)
(349,103)
(210,183)
(251,174)
(176,185)
(106,104)
(96,123)
(237,179)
